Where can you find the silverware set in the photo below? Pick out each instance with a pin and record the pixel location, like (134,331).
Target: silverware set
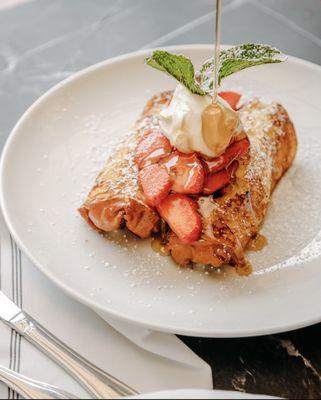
(95,381)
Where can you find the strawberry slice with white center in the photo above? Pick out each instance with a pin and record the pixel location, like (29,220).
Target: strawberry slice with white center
(155,182)
(233,152)
(151,148)
(218,180)
(181,214)
(186,171)
(231,97)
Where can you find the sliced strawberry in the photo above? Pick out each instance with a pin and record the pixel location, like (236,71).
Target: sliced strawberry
(186,171)
(180,212)
(233,152)
(155,182)
(232,98)
(218,180)
(151,148)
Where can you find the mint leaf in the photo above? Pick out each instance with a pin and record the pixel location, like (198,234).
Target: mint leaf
(178,66)
(232,60)
(237,58)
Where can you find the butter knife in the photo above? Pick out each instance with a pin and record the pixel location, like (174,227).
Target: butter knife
(97,382)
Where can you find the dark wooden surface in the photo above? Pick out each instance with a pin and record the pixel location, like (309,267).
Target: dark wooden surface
(44,41)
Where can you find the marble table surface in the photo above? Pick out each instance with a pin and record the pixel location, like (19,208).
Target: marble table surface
(44,41)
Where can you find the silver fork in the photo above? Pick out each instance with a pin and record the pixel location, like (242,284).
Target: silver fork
(30,388)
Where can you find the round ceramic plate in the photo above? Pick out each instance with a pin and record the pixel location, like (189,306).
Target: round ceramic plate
(60,144)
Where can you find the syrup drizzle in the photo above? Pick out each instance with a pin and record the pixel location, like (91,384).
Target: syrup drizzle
(217,50)
(257,243)
(159,247)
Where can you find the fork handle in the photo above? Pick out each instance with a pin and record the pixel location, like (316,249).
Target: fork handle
(97,382)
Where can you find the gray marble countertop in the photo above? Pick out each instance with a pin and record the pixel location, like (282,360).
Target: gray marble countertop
(44,41)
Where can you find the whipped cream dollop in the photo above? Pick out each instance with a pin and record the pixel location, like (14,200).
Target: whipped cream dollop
(193,124)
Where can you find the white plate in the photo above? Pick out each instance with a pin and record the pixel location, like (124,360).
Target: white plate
(59,145)
(201,394)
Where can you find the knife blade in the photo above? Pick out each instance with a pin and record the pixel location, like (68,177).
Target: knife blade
(8,309)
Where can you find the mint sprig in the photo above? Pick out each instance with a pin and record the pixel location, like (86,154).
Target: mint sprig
(237,58)
(232,60)
(178,66)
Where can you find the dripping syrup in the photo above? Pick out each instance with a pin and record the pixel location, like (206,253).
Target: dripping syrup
(257,243)
(159,247)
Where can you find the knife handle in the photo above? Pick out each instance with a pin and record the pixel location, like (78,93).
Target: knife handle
(93,379)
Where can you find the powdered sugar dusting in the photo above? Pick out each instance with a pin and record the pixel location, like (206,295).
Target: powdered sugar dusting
(206,207)
(257,120)
(293,223)
(120,175)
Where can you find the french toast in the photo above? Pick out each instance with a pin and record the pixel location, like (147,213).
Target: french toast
(116,200)
(223,221)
